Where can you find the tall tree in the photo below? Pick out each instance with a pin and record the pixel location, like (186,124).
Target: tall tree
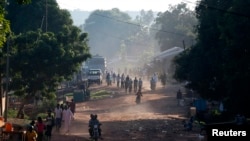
(175,26)
(4,24)
(40,60)
(107,29)
(39,14)
(217,67)
(145,18)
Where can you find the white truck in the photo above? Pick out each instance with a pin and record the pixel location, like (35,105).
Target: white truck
(97,62)
(95,76)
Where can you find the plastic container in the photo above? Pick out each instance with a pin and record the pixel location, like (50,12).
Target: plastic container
(8,127)
(192,111)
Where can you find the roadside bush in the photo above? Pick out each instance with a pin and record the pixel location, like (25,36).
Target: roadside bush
(13,112)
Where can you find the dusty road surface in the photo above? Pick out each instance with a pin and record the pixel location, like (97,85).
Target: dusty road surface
(157,118)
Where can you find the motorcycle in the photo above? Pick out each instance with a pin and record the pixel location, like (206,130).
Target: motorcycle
(95,132)
(138,99)
(153,85)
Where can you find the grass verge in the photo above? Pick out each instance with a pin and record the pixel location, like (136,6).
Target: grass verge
(100,94)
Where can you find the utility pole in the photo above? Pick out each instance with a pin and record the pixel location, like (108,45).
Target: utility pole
(184,46)
(7,83)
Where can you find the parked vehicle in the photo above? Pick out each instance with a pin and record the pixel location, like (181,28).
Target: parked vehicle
(96,62)
(95,76)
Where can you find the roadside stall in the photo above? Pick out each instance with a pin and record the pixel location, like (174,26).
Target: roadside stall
(11,132)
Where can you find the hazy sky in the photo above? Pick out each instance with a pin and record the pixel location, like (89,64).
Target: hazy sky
(123,5)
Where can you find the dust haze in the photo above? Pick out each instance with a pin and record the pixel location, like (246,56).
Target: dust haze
(127,110)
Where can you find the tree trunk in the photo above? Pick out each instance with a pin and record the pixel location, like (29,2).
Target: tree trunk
(20,113)
(1,95)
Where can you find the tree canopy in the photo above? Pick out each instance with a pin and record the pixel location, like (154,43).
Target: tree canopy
(107,29)
(175,26)
(4,24)
(40,61)
(37,14)
(217,67)
(45,49)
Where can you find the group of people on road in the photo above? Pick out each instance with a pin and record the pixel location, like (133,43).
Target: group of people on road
(64,113)
(128,83)
(125,82)
(42,128)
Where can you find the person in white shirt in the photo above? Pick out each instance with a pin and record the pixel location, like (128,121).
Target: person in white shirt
(58,116)
(67,117)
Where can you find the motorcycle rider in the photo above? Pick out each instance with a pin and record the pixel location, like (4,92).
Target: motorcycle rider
(140,83)
(135,84)
(138,96)
(94,121)
(152,83)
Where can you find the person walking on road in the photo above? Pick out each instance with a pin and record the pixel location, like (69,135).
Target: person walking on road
(140,82)
(50,120)
(40,127)
(135,84)
(72,106)
(118,79)
(31,134)
(179,96)
(58,116)
(67,117)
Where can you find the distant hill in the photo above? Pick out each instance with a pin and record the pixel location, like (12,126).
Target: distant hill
(79,16)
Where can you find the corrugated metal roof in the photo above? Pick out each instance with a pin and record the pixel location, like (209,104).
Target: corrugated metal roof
(168,53)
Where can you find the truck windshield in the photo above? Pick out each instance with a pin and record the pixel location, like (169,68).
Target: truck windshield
(94,72)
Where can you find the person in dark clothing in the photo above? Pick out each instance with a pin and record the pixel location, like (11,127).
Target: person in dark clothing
(130,85)
(140,83)
(50,121)
(179,96)
(122,81)
(32,123)
(118,79)
(72,106)
(127,79)
(138,96)
(135,84)
(188,125)
(40,127)
(94,121)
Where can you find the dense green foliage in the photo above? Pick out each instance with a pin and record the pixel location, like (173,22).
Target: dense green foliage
(218,66)
(40,61)
(113,34)
(176,26)
(172,28)
(4,24)
(37,14)
(107,28)
(45,49)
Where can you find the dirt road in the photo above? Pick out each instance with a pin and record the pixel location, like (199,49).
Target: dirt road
(157,118)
